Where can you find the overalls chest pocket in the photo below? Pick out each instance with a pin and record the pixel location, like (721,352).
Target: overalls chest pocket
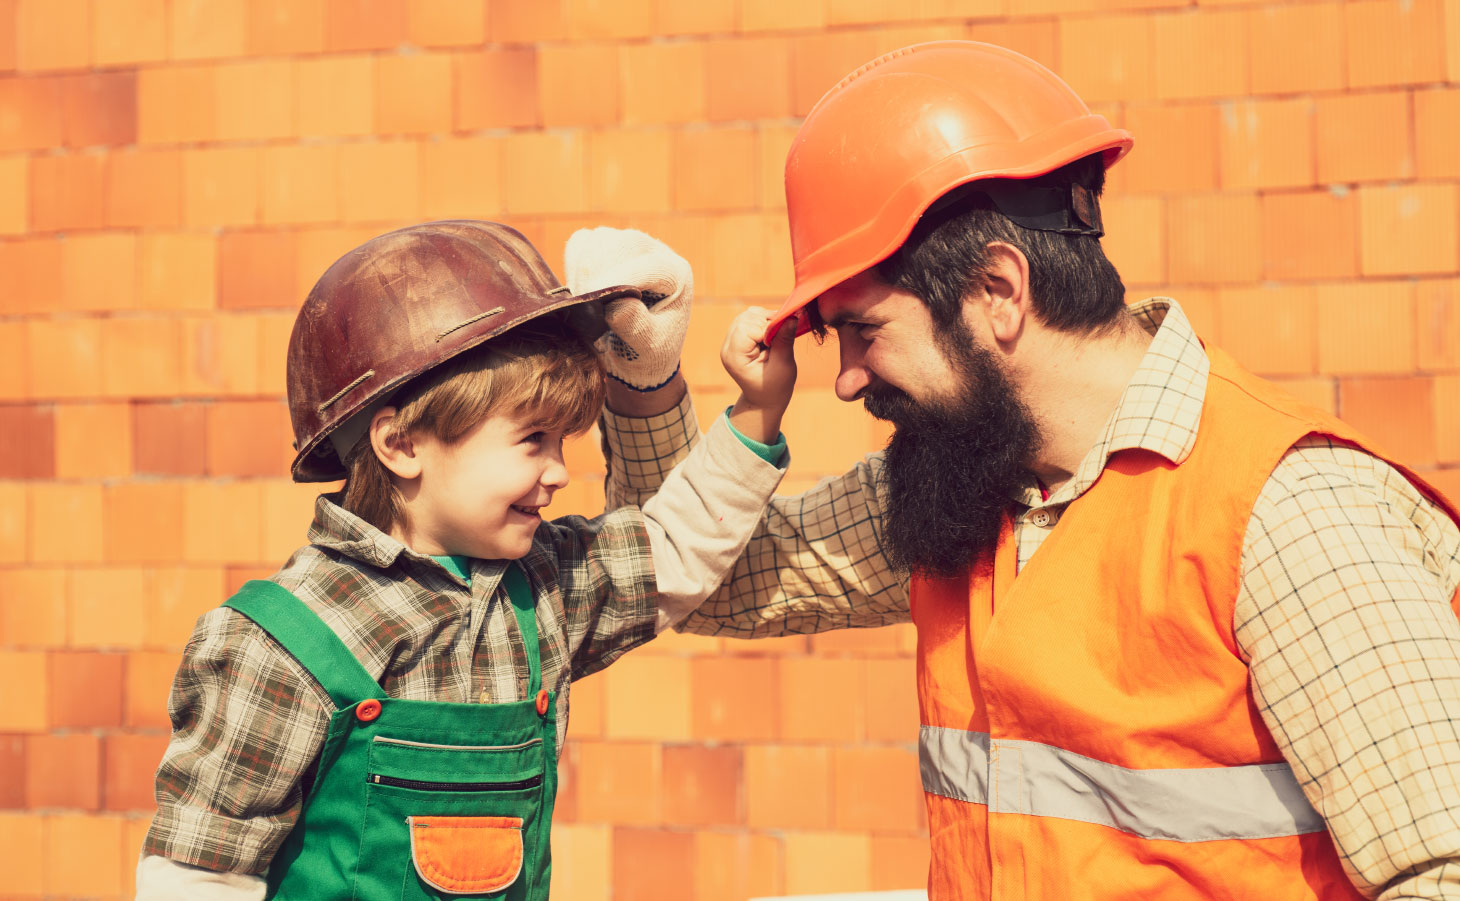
(462,810)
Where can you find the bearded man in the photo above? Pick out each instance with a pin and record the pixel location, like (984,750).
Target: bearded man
(1179,635)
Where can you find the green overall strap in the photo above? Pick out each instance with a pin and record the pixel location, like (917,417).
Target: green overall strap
(302,633)
(524,605)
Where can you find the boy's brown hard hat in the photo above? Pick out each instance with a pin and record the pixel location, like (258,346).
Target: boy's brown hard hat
(403,303)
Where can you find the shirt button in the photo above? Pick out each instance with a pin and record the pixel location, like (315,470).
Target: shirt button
(1043,518)
(486,697)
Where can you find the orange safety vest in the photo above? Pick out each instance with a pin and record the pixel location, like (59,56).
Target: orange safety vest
(1088,730)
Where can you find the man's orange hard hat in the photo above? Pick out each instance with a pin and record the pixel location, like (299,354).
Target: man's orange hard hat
(900,132)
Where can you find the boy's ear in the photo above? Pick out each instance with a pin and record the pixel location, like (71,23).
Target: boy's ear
(395,452)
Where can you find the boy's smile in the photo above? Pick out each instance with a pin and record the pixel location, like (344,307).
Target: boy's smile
(482,496)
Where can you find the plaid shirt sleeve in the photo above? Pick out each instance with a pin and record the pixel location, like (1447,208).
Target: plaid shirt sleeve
(813,564)
(1345,617)
(247,722)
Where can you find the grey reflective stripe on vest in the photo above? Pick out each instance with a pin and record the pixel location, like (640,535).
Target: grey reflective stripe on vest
(1183,805)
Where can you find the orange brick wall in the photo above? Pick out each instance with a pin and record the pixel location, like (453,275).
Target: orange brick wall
(174,174)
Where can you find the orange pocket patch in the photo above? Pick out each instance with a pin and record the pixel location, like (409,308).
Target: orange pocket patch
(467,855)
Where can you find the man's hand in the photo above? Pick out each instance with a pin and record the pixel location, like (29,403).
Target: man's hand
(642,349)
(766,375)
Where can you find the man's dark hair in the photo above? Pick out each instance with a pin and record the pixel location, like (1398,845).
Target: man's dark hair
(1073,286)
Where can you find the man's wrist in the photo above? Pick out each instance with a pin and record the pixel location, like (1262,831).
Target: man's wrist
(626,401)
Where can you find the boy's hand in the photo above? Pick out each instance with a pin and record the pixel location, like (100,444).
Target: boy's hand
(643,347)
(766,375)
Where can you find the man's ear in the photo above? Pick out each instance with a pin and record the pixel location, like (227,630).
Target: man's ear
(1006,283)
(395,452)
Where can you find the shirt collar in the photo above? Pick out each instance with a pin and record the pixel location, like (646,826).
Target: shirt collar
(1160,408)
(339,530)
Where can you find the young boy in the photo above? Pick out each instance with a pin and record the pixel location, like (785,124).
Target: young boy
(382,718)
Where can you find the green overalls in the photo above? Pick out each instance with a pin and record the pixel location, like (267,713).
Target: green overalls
(415,799)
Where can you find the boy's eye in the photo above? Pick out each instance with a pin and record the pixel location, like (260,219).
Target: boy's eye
(535,437)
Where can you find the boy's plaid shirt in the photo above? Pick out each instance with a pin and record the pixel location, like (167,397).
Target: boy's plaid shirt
(248,721)
(1344,614)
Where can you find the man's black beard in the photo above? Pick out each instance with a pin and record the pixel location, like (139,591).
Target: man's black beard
(952,464)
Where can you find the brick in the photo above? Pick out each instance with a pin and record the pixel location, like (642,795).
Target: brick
(288,508)
(63,771)
(528,21)
(25,711)
(618,782)
(222,522)
(129,33)
(1436,131)
(891,706)
(69,838)
(817,450)
(1108,57)
(286,27)
(823,700)
(65,358)
(256,270)
(1366,329)
(22,857)
(255,100)
(273,342)
(548,173)
(1038,40)
(821,862)
(1438,316)
(445,23)
(1201,53)
(143,188)
(16,541)
(248,438)
(582,861)
(715,169)
(497,89)
(1398,412)
(99,272)
(53,34)
(221,186)
(8,37)
(747,78)
(30,113)
(141,357)
(733,867)
(298,184)
(702,786)
(662,83)
(379,182)
(629,171)
(177,104)
(579,84)
(673,868)
(99,108)
(148,683)
(86,689)
(1446,422)
(1364,137)
(461,177)
(129,763)
(143,522)
(93,441)
(236,576)
(174,599)
(1309,235)
(315,250)
(15,364)
(176,271)
(336,96)
(1409,229)
(898,861)
(775,143)
(749,256)
(820,61)
(1214,239)
(14,196)
(1272,331)
(364,24)
(1267,143)
(1135,237)
(787,787)
(1415,25)
(1297,48)
(734,700)
(596,20)
(66,523)
(648,697)
(208,29)
(33,608)
(768,15)
(27,442)
(12,772)
(66,192)
(704,17)
(1452,39)
(877,790)
(861,642)
(413,94)
(1179,148)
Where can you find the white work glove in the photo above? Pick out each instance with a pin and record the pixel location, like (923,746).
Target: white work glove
(646,336)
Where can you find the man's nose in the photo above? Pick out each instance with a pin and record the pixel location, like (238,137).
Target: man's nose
(853,376)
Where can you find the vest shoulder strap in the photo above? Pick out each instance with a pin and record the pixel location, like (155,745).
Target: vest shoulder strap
(300,631)
(524,605)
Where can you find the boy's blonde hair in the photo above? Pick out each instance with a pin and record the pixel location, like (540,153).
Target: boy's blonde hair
(540,372)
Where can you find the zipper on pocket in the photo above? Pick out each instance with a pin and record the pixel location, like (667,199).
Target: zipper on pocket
(518,785)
